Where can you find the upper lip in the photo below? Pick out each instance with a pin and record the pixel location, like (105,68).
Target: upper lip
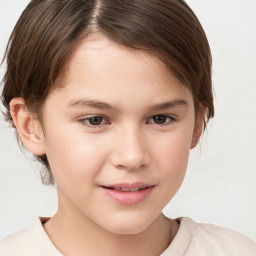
(128,186)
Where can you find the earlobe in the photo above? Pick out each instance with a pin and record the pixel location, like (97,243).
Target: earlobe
(28,127)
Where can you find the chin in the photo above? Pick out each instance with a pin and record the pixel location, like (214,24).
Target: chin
(129,225)
(128,229)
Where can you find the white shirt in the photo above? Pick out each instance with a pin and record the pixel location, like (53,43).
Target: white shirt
(192,239)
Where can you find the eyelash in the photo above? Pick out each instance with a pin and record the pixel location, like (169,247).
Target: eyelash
(170,119)
(85,121)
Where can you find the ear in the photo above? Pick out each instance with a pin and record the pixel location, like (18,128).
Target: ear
(198,128)
(28,127)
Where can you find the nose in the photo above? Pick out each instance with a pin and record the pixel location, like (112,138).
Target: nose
(131,151)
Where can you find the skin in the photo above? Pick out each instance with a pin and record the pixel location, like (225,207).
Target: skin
(137,138)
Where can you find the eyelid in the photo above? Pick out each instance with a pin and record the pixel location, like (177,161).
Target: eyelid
(83,122)
(171,121)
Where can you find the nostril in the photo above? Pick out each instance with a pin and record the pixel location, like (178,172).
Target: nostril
(135,168)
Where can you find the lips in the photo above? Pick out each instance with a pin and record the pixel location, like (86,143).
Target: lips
(128,194)
(125,189)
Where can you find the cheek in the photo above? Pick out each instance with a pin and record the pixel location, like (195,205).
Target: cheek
(74,156)
(173,154)
(174,149)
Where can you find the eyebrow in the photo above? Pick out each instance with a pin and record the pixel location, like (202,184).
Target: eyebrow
(83,103)
(170,104)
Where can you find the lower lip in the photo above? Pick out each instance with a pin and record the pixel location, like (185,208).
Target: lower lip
(129,197)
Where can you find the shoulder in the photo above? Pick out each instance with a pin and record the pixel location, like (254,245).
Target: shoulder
(31,241)
(15,242)
(214,240)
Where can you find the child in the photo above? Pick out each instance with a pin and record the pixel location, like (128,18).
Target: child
(111,95)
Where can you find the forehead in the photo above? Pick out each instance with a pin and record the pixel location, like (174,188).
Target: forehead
(100,52)
(103,67)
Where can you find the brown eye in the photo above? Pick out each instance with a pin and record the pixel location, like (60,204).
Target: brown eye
(159,119)
(95,120)
(91,121)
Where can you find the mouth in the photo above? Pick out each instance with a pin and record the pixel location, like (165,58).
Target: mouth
(125,189)
(128,194)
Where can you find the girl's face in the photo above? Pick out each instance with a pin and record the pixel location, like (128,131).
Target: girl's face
(118,135)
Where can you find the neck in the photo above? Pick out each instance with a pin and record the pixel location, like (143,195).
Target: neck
(76,235)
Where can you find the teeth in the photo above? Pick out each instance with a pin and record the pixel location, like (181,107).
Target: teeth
(134,189)
(129,189)
(124,189)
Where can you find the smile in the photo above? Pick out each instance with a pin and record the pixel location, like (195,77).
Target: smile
(128,194)
(127,189)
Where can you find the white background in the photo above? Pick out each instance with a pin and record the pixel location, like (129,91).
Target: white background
(220,186)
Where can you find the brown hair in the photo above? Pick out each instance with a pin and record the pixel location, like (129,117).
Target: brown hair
(49,31)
